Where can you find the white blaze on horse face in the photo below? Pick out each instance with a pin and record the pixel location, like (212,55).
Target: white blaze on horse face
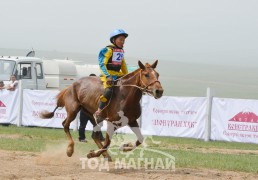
(157,89)
(154,75)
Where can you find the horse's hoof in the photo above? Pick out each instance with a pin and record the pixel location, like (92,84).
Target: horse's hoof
(69,150)
(91,154)
(126,147)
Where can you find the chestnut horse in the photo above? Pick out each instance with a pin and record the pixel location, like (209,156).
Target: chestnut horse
(127,93)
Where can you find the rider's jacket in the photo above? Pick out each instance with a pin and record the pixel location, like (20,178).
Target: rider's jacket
(112,62)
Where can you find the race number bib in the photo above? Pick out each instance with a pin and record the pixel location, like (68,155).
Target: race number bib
(117,56)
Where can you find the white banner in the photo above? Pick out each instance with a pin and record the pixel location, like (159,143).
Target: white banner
(35,101)
(8,106)
(234,120)
(174,116)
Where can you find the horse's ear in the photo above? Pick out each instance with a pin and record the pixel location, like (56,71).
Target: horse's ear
(154,64)
(141,65)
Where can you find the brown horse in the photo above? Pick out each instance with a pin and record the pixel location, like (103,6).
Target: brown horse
(127,93)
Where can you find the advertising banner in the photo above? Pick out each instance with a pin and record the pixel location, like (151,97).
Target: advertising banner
(174,116)
(234,120)
(36,101)
(8,106)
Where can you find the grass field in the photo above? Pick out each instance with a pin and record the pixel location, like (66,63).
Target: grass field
(188,153)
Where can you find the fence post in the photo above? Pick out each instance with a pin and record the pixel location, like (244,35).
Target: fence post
(207,130)
(20,104)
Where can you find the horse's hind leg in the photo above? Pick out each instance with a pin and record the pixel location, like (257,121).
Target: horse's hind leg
(96,137)
(96,134)
(103,149)
(71,115)
(100,146)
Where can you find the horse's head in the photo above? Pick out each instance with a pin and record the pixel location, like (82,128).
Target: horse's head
(149,79)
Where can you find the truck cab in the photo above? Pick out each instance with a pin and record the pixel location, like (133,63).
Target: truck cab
(29,70)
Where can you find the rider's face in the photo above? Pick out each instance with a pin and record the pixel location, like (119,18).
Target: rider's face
(13,78)
(119,41)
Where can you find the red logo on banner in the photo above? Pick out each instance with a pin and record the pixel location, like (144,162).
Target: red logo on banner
(2,104)
(242,122)
(245,116)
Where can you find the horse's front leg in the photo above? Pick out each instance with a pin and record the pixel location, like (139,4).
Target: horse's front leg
(136,129)
(109,134)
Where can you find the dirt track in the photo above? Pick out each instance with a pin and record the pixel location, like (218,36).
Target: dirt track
(53,164)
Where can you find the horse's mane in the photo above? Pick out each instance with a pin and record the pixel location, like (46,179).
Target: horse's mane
(132,74)
(129,76)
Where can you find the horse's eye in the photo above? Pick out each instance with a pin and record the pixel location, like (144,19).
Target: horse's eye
(147,75)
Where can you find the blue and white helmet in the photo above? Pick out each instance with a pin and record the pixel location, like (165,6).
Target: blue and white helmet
(117,32)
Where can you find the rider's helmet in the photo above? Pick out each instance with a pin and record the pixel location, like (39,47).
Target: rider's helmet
(116,33)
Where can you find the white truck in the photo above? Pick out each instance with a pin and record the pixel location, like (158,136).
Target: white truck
(36,73)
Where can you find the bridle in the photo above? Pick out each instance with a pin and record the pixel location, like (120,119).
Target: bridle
(146,86)
(143,89)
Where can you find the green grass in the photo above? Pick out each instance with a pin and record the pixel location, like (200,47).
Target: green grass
(187,152)
(195,143)
(20,144)
(231,162)
(35,132)
(34,139)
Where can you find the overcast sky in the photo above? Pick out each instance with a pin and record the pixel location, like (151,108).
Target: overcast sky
(182,30)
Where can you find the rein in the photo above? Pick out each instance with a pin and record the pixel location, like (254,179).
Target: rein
(143,89)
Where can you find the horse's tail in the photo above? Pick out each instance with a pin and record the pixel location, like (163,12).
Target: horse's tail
(60,103)
(47,114)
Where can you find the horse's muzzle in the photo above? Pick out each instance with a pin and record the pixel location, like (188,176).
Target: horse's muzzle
(158,93)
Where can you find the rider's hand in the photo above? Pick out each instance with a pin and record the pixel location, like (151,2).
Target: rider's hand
(109,81)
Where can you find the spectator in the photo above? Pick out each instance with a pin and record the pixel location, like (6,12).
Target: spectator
(83,122)
(1,85)
(14,83)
